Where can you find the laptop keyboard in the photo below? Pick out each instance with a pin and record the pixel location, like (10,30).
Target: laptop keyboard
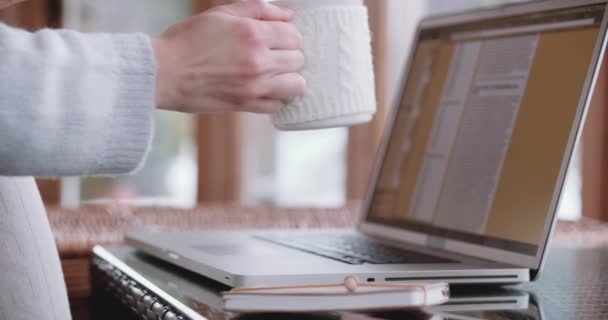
(352,249)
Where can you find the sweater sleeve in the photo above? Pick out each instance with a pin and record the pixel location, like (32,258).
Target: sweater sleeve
(74,104)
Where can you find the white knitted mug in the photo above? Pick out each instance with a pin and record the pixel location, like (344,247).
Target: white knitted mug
(339,69)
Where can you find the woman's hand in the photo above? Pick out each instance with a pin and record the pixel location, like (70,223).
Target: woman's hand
(239,57)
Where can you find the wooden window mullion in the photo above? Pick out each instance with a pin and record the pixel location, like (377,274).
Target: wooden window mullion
(595,152)
(219,143)
(364,140)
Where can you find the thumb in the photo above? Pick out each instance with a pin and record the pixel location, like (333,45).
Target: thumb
(260,10)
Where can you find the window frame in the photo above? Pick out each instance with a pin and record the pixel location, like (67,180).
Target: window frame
(595,152)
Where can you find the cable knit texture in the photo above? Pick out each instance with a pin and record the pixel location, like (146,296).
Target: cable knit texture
(74,104)
(339,68)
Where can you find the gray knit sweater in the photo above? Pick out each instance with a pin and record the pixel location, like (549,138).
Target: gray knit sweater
(70,104)
(73,104)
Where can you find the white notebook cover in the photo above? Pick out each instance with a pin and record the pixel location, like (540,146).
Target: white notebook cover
(336,297)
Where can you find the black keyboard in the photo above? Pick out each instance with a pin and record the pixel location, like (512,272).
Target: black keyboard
(352,249)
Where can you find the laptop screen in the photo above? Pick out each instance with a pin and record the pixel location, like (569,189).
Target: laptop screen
(483,127)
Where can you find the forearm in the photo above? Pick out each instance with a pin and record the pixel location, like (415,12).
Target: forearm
(74,104)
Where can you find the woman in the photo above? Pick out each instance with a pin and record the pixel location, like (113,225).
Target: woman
(76,104)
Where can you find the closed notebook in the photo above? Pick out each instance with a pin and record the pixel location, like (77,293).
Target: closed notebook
(336,297)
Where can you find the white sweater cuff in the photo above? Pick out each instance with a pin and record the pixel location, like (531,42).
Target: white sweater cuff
(128,140)
(74,104)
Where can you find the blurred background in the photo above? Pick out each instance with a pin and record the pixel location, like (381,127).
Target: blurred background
(242,158)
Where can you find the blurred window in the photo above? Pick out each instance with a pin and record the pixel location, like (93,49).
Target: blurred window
(293,169)
(170,172)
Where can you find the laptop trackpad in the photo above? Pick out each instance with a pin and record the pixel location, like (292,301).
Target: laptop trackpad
(236,249)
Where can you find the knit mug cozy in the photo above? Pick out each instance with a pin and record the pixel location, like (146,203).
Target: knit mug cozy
(339,70)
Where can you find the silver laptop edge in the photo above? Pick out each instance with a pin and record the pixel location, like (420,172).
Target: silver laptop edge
(499,301)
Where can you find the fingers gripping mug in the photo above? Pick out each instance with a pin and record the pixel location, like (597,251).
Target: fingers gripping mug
(339,69)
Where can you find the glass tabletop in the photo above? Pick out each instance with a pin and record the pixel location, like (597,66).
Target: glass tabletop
(573,285)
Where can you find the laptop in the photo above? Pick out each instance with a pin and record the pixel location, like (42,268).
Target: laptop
(467,182)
